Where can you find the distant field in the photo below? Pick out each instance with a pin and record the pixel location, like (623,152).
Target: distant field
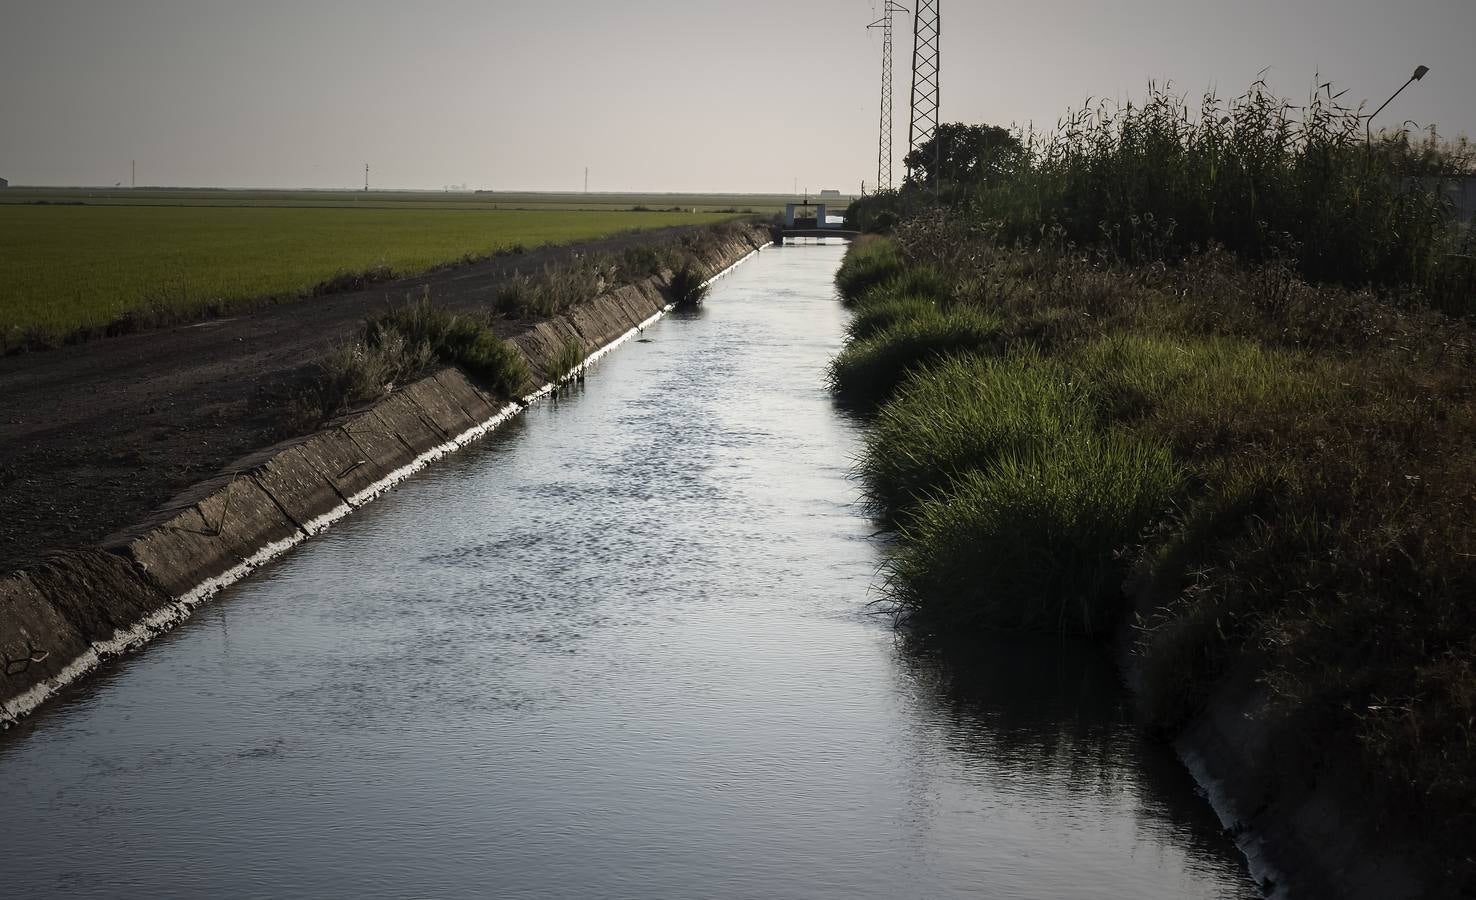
(743,203)
(64,267)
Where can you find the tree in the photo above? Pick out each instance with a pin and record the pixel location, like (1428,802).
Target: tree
(969,154)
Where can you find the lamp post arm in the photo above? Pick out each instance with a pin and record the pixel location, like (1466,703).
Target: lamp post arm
(1368,127)
(1391,99)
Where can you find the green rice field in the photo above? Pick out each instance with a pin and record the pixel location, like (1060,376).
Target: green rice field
(350,199)
(65,268)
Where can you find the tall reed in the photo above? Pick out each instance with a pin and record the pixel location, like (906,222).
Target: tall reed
(1258,175)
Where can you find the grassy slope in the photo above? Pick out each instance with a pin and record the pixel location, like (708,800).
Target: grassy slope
(72,267)
(1283,472)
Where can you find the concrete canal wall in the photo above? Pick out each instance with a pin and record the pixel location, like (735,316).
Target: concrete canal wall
(61,619)
(1303,821)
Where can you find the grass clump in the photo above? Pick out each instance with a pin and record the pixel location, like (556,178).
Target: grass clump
(868,264)
(1205,396)
(569,360)
(867,371)
(399,346)
(882,312)
(916,280)
(353,374)
(557,288)
(649,259)
(454,340)
(965,414)
(1031,540)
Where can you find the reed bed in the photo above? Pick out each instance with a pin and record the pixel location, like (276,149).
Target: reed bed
(1167,178)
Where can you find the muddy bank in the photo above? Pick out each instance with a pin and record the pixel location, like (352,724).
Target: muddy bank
(60,618)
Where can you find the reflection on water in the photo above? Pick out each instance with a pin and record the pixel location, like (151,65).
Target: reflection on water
(620,649)
(1034,710)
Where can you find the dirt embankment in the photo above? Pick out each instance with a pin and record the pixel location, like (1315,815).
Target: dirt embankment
(155,441)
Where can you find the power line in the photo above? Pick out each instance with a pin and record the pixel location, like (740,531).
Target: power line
(884,153)
(926,31)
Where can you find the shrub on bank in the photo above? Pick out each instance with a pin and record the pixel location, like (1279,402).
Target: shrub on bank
(867,372)
(1031,540)
(876,212)
(556,289)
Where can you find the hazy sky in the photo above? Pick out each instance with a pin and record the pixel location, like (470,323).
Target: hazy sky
(678,95)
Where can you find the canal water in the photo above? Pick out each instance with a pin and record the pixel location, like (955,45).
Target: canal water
(621,649)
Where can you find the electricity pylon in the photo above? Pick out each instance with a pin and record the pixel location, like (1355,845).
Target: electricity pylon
(884,142)
(926,28)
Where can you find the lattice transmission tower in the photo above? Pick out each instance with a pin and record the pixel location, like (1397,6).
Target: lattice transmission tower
(884,154)
(926,28)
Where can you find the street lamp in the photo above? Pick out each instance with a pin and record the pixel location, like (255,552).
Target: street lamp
(1419,73)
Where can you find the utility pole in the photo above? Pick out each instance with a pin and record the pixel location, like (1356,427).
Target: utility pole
(586,179)
(927,28)
(366,178)
(133,179)
(884,141)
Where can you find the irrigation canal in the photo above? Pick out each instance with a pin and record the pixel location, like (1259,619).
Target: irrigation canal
(621,648)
